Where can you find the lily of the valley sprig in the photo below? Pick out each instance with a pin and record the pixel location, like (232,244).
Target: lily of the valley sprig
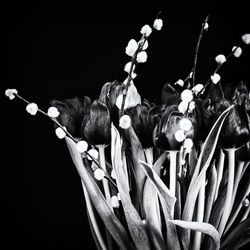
(173,175)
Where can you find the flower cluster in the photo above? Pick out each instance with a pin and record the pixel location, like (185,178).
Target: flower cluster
(155,172)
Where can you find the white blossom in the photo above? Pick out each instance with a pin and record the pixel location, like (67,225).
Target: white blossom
(191,106)
(82,146)
(131,47)
(125,122)
(205,27)
(99,174)
(245,202)
(158,23)
(11,93)
(188,144)
(60,133)
(142,57)
(113,174)
(215,78)
(220,59)
(197,88)
(183,106)
(246,38)
(94,153)
(128,67)
(145,45)
(185,124)
(186,95)
(179,135)
(180,82)
(132,99)
(53,112)
(32,108)
(237,51)
(146,30)
(115,201)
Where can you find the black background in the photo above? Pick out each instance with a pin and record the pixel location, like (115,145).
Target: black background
(58,50)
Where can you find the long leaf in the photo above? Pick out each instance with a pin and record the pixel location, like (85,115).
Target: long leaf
(137,154)
(134,222)
(196,181)
(240,233)
(167,202)
(114,226)
(201,227)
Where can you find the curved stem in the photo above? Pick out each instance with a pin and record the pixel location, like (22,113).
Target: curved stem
(92,219)
(230,183)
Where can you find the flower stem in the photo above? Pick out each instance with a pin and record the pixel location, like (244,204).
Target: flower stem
(237,210)
(106,190)
(172,169)
(220,172)
(200,214)
(92,219)
(230,183)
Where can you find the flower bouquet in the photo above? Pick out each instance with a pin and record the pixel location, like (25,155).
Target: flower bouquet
(168,176)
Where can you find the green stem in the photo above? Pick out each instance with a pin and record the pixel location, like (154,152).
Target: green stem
(237,210)
(106,190)
(172,173)
(93,219)
(220,172)
(230,183)
(200,214)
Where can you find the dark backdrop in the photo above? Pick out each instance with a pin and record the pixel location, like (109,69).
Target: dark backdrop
(65,49)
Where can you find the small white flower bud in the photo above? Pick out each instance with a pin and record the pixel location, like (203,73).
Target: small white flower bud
(145,46)
(197,88)
(141,57)
(188,144)
(215,78)
(246,38)
(185,124)
(158,23)
(125,122)
(245,203)
(146,30)
(94,153)
(180,82)
(32,108)
(53,112)
(183,106)
(187,95)
(99,174)
(131,47)
(220,59)
(115,201)
(237,51)
(60,133)
(179,135)
(128,67)
(119,196)
(191,106)
(82,146)
(206,26)
(11,93)
(113,175)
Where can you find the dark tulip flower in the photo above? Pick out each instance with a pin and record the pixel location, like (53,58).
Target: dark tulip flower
(164,132)
(96,127)
(144,118)
(235,131)
(170,94)
(72,112)
(109,93)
